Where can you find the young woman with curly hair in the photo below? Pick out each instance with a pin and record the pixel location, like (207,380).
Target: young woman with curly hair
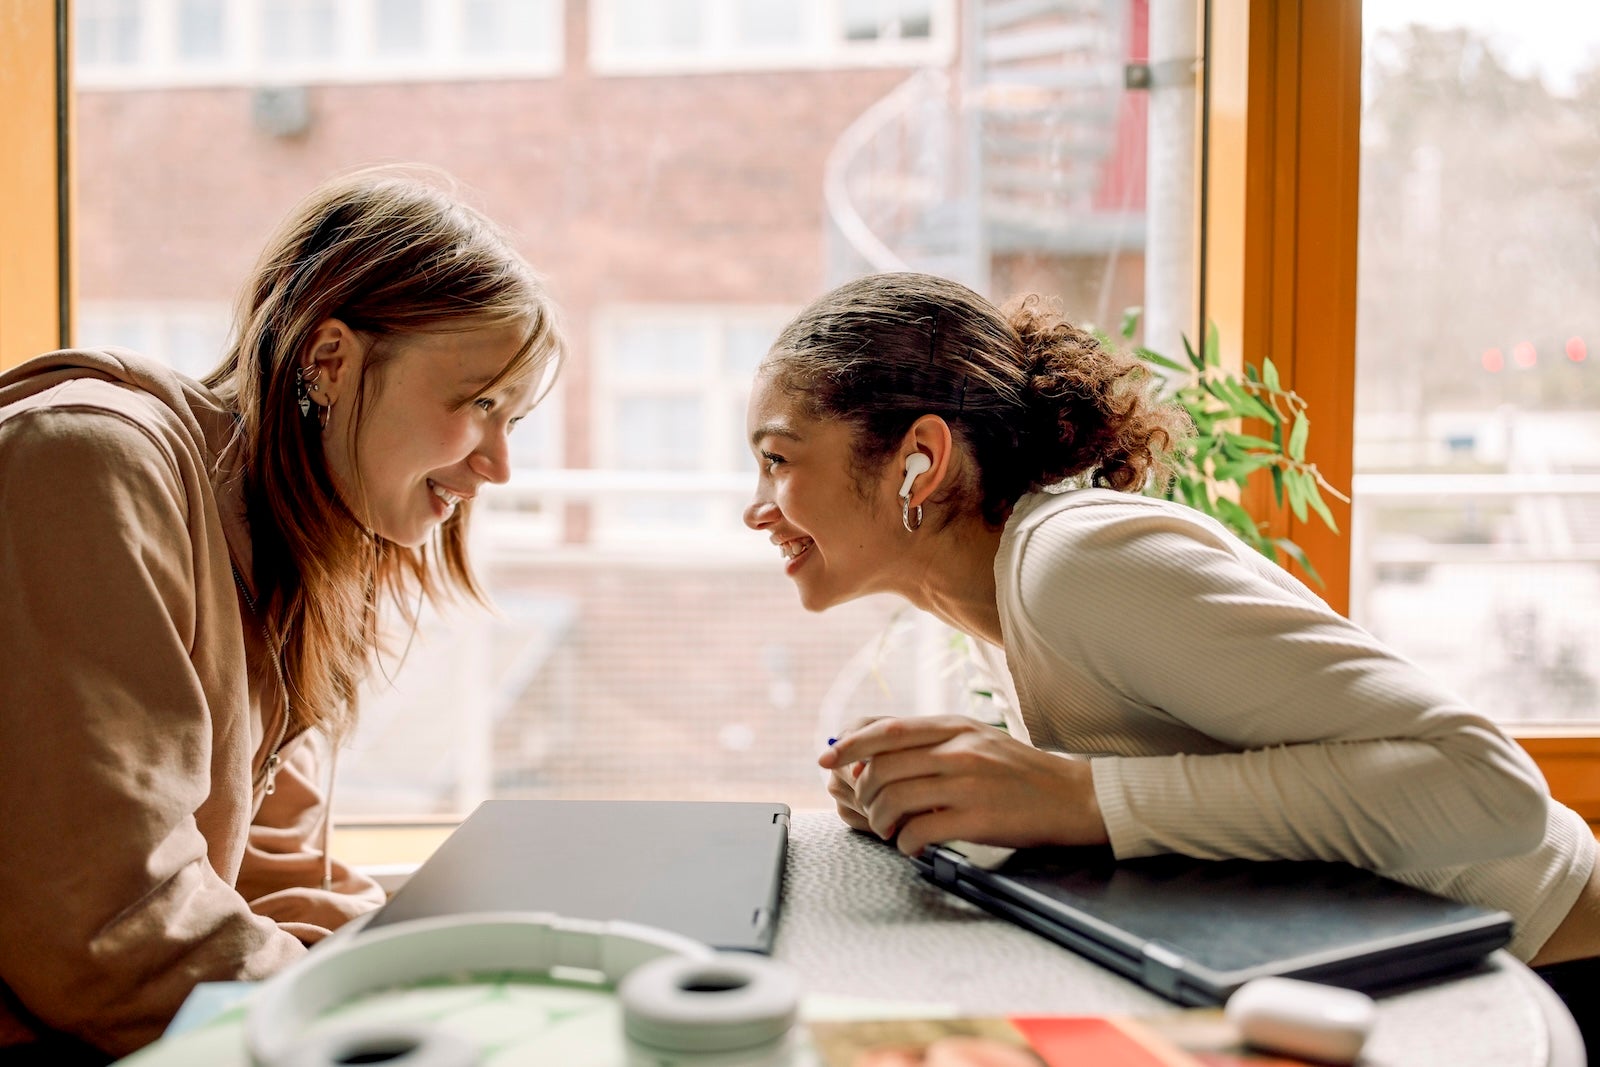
(985,464)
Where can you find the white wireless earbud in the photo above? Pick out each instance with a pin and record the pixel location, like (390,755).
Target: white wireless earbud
(916,464)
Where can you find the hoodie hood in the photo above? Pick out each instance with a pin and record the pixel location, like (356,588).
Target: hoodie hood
(210,426)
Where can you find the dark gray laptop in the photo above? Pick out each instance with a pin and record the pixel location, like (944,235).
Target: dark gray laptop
(1195,930)
(712,871)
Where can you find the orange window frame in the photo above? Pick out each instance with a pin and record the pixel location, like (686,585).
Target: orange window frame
(1281,204)
(35,297)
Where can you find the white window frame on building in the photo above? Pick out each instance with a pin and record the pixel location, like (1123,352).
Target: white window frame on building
(827,34)
(187,335)
(349,48)
(722,473)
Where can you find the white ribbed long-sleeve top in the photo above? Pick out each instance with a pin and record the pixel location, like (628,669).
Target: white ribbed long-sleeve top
(1228,712)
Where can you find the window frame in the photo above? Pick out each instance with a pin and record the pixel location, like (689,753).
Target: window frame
(35,276)
(829,48)
(1281,177)
(353,60)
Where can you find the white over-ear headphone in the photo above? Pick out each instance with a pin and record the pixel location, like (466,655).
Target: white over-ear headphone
(916,464)
(677,995)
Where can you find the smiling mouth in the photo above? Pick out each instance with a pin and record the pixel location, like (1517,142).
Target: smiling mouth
(793,550)
(450,498)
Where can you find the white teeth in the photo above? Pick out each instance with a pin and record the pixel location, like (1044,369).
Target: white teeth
(443,494)
(791,549)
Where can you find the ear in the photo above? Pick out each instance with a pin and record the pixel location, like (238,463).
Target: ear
(339,353)
(929,435)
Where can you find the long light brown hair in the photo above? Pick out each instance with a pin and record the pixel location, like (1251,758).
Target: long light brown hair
(388,252)
(1038,400)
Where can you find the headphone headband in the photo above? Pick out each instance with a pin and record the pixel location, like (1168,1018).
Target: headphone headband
(526,942)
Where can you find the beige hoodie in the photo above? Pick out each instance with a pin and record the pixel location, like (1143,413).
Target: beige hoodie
(139,851)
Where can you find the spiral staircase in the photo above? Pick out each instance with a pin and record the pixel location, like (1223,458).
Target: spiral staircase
(1013,151)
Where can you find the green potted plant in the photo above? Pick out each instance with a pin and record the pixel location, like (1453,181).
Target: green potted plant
(1211,467)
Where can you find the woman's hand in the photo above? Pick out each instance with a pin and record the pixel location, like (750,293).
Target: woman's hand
(842,783)
(948,777)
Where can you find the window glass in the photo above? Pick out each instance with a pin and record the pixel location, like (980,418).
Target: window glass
(659,25)
(661,349)
(201,30)
(169,43)
(107,31)
(645,643)
(505,27)
(400,28)
(662,432)
(870,20)
(297,30)
(636,36)
(1477,425)
(768,22)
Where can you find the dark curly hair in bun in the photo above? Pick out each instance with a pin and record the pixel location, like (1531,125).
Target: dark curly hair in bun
(1037,400)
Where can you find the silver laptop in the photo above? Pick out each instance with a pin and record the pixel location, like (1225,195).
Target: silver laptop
(712,871)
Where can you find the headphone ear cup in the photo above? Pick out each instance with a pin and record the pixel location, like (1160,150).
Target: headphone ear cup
(732,1001)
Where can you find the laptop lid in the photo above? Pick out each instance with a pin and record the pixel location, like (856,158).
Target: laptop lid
(712,871)
(1195,930)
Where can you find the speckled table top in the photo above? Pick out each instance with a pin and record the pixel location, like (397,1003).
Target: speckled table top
(858,921)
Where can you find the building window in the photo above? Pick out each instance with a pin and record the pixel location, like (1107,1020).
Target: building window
(187,336)
(672,386)
(660,36)
(152,43)
(108,33)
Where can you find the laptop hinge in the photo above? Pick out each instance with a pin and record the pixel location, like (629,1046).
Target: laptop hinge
(1162,969)
(945,867)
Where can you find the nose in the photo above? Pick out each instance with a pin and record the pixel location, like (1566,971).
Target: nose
(491,460)
(760,513)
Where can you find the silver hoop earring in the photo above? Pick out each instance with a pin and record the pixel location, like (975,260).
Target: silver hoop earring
(323,413)
(905,515)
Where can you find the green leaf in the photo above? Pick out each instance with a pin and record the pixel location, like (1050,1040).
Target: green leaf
(1297,438)
(1250,372)
(1277,485)
(1235,517)
(1159,360)
(1297,493)
(1269,374)
(1194,357)
(1320,506)
(1130,321)
(1298,554)
(1244,440)
(1255,408)
(1213,348)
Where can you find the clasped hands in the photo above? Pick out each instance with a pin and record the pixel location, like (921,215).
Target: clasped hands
(919,781)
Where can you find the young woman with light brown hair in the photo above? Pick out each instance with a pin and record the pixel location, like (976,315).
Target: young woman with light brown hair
(985,463)
(193,575)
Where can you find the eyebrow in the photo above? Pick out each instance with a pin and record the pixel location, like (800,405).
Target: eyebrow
(772,429)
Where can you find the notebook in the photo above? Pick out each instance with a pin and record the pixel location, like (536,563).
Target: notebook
(712,871)
(1195,930)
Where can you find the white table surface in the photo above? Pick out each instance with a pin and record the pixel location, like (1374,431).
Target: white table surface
(858,921)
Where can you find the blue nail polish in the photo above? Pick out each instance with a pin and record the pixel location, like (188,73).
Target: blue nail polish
(832,741)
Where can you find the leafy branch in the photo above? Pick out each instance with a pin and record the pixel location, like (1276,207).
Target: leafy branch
(1220,455)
